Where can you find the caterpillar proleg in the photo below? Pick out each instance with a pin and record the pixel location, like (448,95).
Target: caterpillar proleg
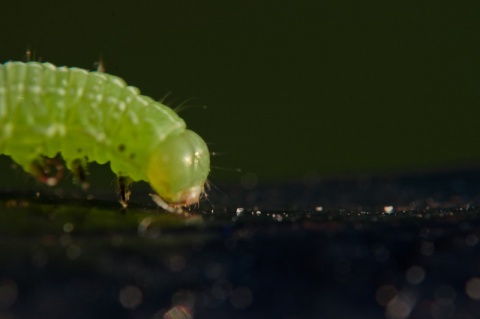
(92,116)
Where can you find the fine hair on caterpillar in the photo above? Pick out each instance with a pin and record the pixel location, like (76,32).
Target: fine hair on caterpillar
(181,106)
(85,116)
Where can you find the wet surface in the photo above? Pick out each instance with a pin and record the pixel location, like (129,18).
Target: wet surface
(402,247)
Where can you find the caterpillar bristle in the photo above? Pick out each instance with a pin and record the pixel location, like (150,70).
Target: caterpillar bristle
(163,100)
(28,55)
(183,105)
(31,55)
(237,170)
(100,64)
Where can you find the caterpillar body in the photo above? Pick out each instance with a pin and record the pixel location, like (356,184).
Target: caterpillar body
(47,110)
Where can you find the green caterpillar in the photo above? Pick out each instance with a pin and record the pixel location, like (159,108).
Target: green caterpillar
(92,116)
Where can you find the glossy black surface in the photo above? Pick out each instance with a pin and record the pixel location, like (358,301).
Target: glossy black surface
(81,258)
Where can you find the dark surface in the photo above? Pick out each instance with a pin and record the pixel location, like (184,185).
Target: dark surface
(322,249)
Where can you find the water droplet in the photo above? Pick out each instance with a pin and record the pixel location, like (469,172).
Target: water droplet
(388,209)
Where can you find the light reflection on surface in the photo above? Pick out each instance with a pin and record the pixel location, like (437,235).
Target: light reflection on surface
(178,312)
(158,265)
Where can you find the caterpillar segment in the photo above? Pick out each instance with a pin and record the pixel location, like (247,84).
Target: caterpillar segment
(47,110)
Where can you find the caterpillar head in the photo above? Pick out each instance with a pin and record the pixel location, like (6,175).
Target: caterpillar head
(178,168)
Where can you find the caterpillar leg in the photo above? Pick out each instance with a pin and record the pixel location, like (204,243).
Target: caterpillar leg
(124,189)
(46,170)
(79,170)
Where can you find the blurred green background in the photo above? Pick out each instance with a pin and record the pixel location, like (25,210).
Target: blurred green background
(293,88)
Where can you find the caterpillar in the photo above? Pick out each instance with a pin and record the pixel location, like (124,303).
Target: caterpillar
(88,116)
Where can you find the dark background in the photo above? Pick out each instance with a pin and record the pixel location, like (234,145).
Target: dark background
(293,88)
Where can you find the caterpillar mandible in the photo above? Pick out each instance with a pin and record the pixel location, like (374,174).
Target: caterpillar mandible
(93,116)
